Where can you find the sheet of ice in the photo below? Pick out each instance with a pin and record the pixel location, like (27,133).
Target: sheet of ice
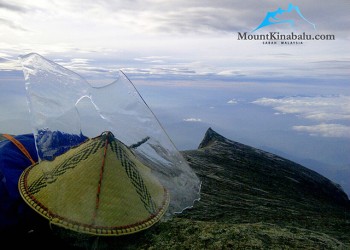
(61,100)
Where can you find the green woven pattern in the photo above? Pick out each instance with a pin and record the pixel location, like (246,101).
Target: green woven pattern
(98,187)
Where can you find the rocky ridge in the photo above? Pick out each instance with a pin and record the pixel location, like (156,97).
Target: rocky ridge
(250,199)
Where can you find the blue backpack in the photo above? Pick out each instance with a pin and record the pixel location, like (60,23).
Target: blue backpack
(16,154)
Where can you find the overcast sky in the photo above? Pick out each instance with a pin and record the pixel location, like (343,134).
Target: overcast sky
(177,40)
(186,59)
(170,37)
(157,41)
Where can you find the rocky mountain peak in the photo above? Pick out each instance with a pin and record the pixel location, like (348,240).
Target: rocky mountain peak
(250,199)
(261,170)
(210,137)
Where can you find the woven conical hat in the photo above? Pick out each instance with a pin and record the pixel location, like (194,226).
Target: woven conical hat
(98,187)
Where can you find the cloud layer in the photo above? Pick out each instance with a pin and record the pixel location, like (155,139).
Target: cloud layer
(179,39)
(324,109)
(326,130)
(192,120)
(178,16)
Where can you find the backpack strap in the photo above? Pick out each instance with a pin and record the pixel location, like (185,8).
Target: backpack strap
(19,146)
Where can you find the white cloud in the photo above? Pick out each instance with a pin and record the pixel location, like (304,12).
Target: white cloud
(152,59)
(9,64)
(318,108)
(231,72)
(326,130)
(232,101)
(158,36)
(179,16)
(323,109)
(192,120)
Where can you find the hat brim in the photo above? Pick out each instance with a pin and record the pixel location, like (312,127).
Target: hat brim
(98,188)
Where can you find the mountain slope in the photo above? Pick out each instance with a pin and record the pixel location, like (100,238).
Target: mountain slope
(267,173)
(250,199)
(242,184)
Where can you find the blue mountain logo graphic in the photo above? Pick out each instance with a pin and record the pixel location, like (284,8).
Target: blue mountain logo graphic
(274,18)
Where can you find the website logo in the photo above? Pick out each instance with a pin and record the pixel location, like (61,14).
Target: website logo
(277,17)
(284,19)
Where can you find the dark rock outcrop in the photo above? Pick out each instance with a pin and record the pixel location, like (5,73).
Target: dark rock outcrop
(250,199)
(262,173)
(242,184)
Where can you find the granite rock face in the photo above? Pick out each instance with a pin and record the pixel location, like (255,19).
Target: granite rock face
(242,184)
(250,199)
